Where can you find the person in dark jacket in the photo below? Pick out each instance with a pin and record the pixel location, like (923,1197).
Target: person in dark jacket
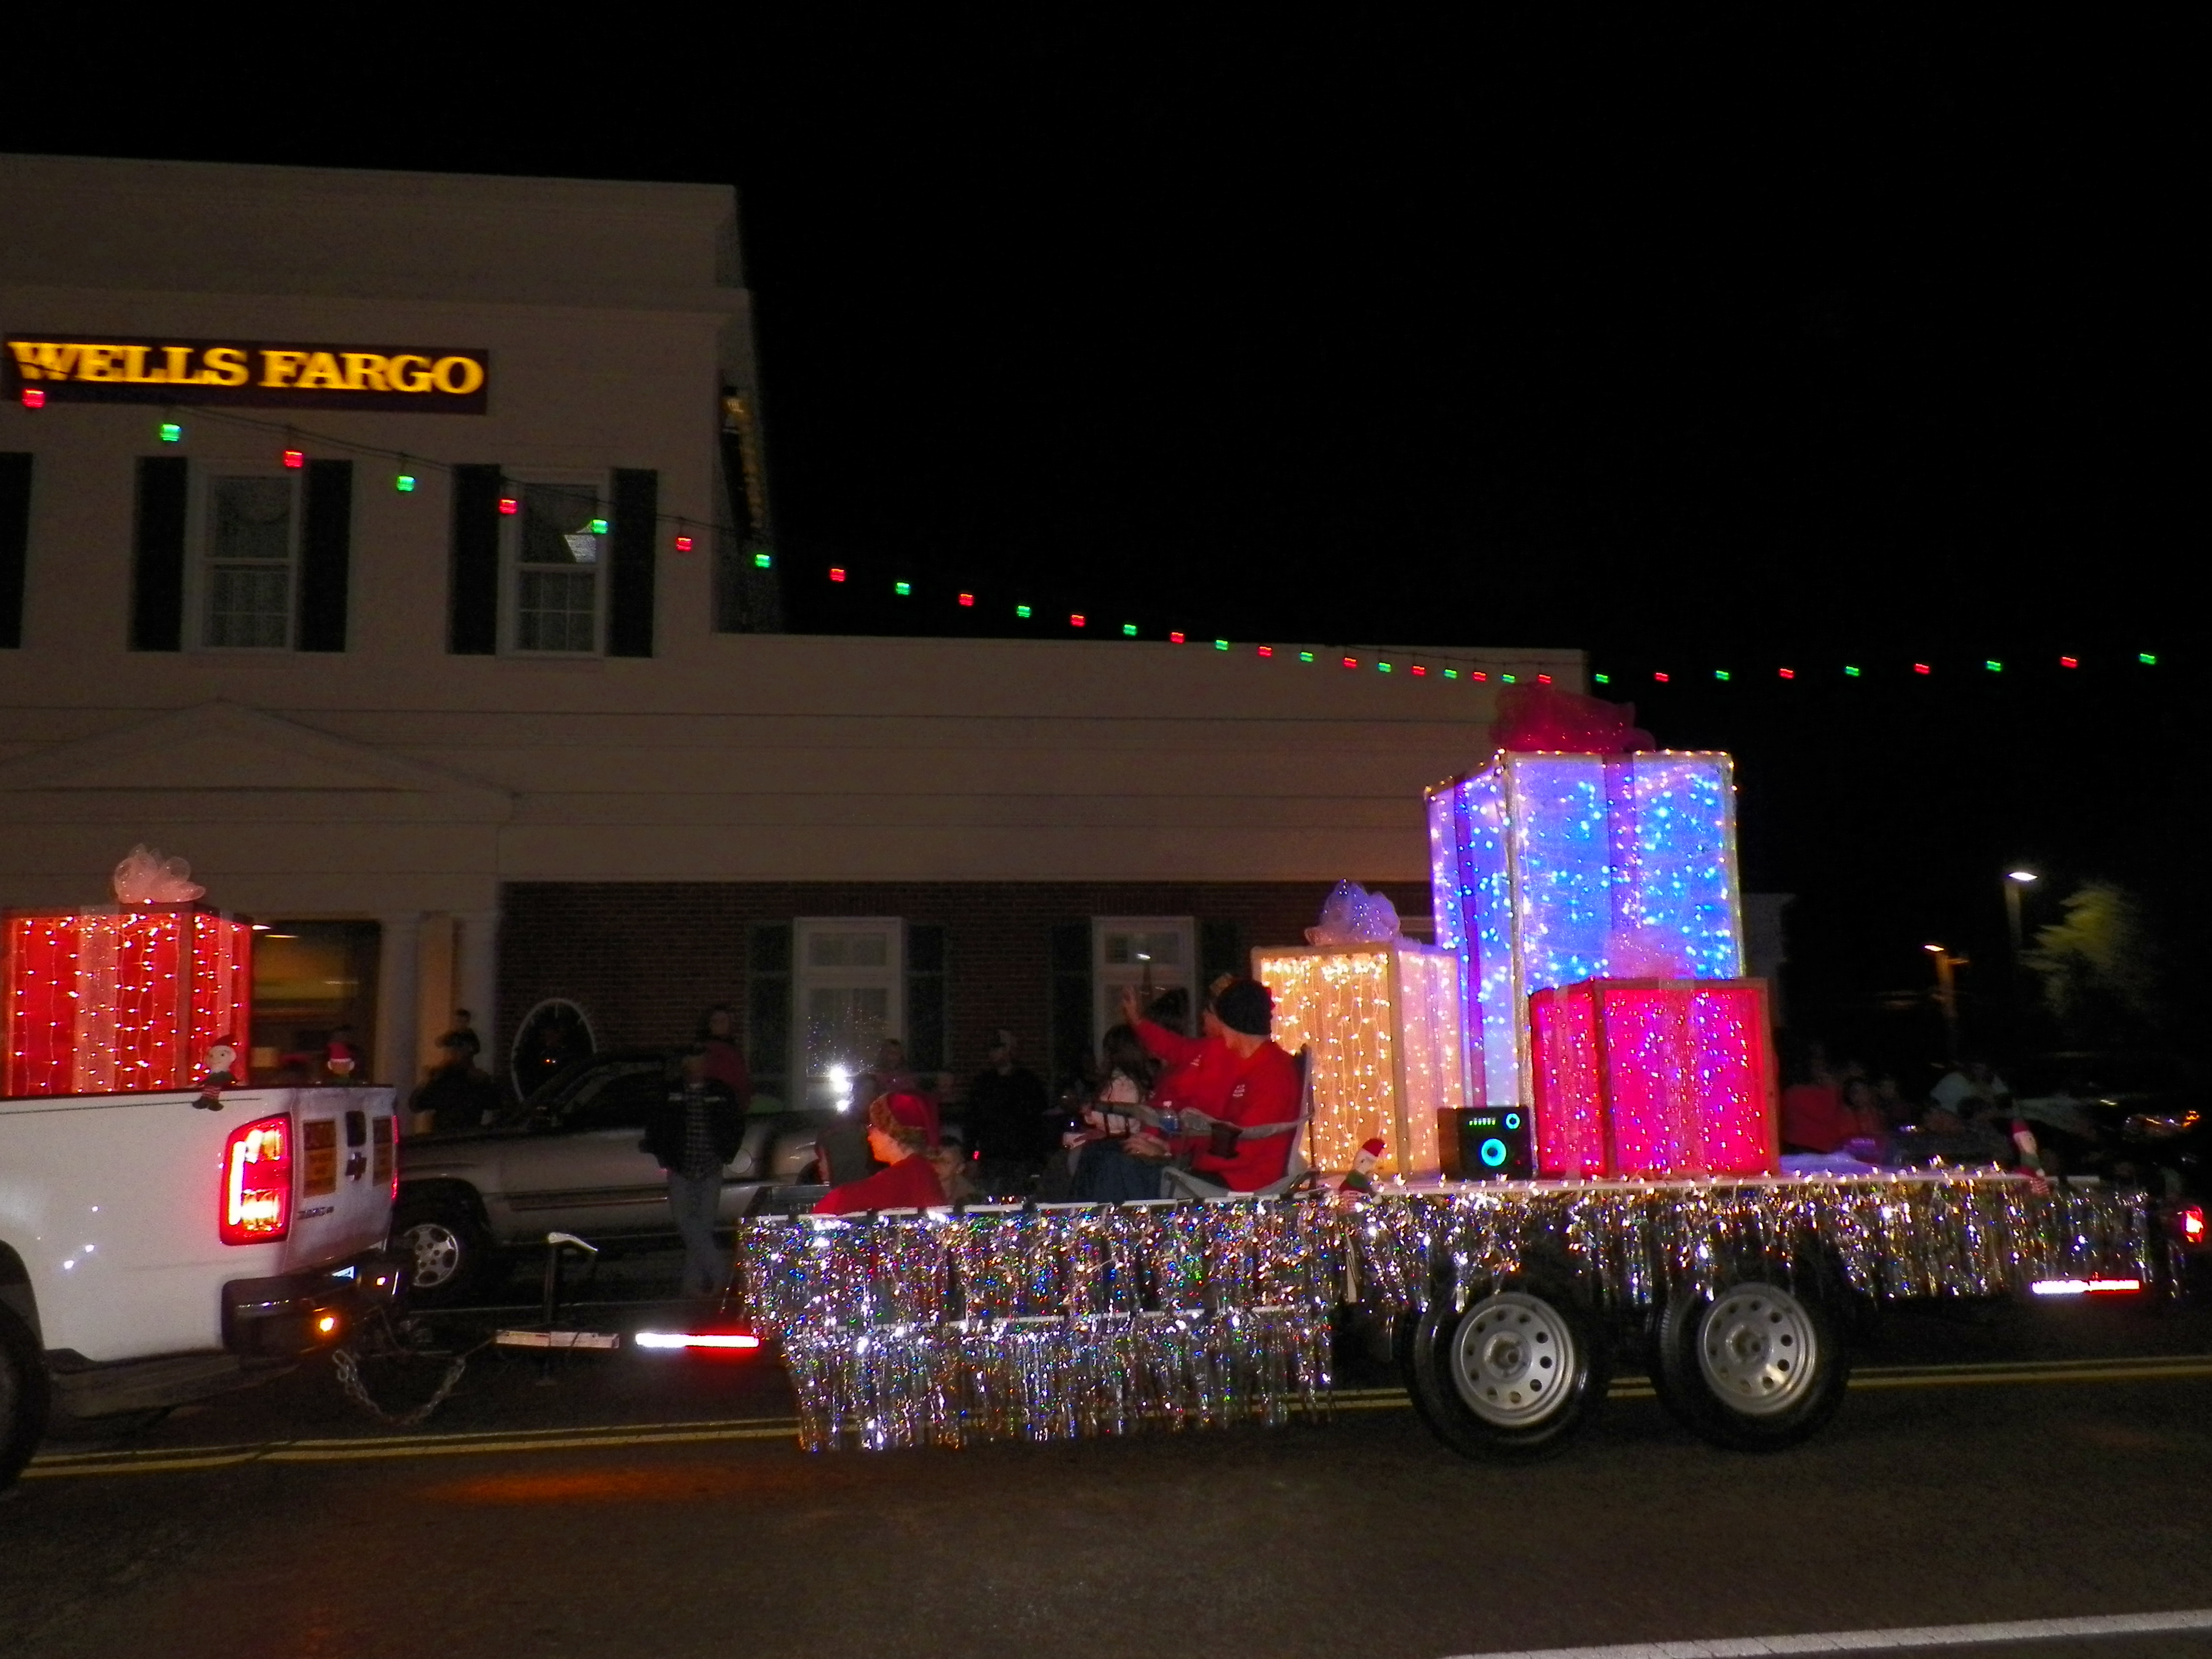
(694,1132)
(458,1096)
(1009,1120)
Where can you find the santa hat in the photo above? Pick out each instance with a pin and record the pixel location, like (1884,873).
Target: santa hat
(1372,1148)
(901,1110)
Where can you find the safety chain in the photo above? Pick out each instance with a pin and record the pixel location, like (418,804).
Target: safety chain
(346,1362)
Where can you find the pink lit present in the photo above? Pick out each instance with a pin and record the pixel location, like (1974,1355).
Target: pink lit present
(1654,1078)
(120,999)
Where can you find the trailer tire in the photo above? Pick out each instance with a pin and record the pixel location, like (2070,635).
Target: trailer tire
(1516,1375)
(1751,1363)
(24,1397)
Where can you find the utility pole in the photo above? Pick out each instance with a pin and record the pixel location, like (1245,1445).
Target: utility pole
(1946,998)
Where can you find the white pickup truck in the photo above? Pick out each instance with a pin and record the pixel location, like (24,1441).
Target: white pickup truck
(152,1250)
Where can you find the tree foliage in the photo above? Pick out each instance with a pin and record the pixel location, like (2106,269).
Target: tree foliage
(2100,968)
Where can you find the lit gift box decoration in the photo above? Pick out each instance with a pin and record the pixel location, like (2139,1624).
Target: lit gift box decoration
(1383,1024)
(1654,1078)
(117,998)
(1552,868)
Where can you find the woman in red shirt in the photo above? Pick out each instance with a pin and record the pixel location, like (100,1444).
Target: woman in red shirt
(898,1136)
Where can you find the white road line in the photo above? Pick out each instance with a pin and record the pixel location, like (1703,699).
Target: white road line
(1909,1640)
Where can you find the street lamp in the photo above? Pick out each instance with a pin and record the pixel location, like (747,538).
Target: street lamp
(1946,998)
(2015,880)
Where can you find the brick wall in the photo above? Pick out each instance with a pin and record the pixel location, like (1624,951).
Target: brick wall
(643,958)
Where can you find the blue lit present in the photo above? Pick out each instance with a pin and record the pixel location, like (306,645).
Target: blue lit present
(1549,869)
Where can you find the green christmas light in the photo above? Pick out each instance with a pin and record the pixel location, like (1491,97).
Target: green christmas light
(1130,629)
(1382,668)
(598,527)
(405,483)
(1602,680)
(171,433)
(764,561)
(1853,672)
(1221,645)
(1720,673)
(2148,659)
(1994,665)
(1508,678)
(905,590)
(1305,656)
(1452,673)
(1021,611)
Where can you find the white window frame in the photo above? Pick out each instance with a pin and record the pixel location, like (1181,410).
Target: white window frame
(199,584)
(1108,978)
(807,977)
(512,486)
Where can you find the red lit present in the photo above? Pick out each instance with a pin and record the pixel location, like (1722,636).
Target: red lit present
(1654,1078)
(120,998)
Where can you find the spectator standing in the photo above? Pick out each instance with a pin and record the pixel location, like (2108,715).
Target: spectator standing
(1008,1117)
(456,1096)
(695,1130)
(726,1062)
(463,1034)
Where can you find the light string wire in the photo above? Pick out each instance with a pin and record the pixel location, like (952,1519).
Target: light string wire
(1417,662)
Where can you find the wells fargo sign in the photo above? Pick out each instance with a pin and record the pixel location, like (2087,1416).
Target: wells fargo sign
(427,379)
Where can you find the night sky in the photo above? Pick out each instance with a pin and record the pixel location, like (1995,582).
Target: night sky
(1738,342)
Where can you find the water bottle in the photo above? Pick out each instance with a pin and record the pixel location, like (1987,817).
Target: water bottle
(1171,1123)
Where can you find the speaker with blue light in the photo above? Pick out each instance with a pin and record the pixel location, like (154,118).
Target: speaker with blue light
(1493,1144)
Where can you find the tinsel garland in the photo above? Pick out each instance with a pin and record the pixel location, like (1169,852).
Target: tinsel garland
(1072,1320)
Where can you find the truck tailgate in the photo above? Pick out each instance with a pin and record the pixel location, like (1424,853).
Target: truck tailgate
(342,1181)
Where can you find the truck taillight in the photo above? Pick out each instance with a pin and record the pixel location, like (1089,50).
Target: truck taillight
(257,1181)
(2189,1224)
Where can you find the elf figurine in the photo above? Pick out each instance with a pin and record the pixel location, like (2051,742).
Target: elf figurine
(221,1058)
(1361,1176)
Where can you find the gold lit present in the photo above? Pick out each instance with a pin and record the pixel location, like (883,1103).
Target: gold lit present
(1382,1023)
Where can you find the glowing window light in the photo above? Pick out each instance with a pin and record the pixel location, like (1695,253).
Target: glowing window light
(2069,662)
(836,573)
(684,544)
(171,433)
(764,561)
(904,589)
(1075,619)
(1129,630)
(1383,1025)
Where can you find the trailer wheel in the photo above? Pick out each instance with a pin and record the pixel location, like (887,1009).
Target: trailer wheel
(1516,1376)
(23,1395)
(1749,1363)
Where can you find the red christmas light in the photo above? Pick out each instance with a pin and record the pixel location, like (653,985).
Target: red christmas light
(1543,680)
(294,458)
(1788,673)
(33,399)
(683,543)
(1661,679)
(1478,675)
(836,573)
(1266,650)
(1418,671)
(1175,639)
(1920,668)
(1351,662)
(1075,620)
(509,506)
(967,599)
(2069,662)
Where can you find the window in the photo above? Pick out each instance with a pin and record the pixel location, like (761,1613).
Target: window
(1153,954)
(246,575)
(560,533)
(850,995)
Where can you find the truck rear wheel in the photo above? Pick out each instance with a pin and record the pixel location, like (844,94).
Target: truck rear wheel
(1516,1375)
(445,1249)
(23,1396)
(1749,1363)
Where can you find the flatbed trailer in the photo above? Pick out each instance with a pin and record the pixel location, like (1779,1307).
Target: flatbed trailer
(1508,1303)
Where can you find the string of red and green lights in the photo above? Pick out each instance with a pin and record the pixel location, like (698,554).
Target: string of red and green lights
(1419,664)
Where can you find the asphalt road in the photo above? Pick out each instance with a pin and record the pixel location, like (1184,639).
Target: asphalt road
(650,1507)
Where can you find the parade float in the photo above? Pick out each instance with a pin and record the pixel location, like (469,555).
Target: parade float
(1583,1027)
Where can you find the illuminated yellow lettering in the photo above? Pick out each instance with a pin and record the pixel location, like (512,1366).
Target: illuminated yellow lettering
(43,360)
(134,368)
(226,365)
(365,372)
(97,363)
(322,370)
(403,380)
(277,367)
(179,368)
(457,377)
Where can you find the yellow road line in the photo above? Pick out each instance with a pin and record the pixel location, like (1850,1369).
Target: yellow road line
(385,1448)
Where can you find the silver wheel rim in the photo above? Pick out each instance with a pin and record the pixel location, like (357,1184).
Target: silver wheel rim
(437,1252)
(1512,1358)
(1757,1349)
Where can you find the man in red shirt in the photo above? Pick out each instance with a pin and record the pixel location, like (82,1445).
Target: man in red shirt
(898,1136)
(1247,1083)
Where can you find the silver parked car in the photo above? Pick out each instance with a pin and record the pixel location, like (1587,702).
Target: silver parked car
(568,1160)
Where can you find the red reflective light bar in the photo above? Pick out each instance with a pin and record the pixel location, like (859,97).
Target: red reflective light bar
(725,1339)
(2087,1286)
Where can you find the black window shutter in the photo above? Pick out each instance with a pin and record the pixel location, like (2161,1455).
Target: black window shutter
(767,1008)
(472,612)
(325,552)
(157,557)
(1220,950)
(630,564)
(925,996)
(14,545)
(1070,1032)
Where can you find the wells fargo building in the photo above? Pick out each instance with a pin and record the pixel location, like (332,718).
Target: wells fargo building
(397,547)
